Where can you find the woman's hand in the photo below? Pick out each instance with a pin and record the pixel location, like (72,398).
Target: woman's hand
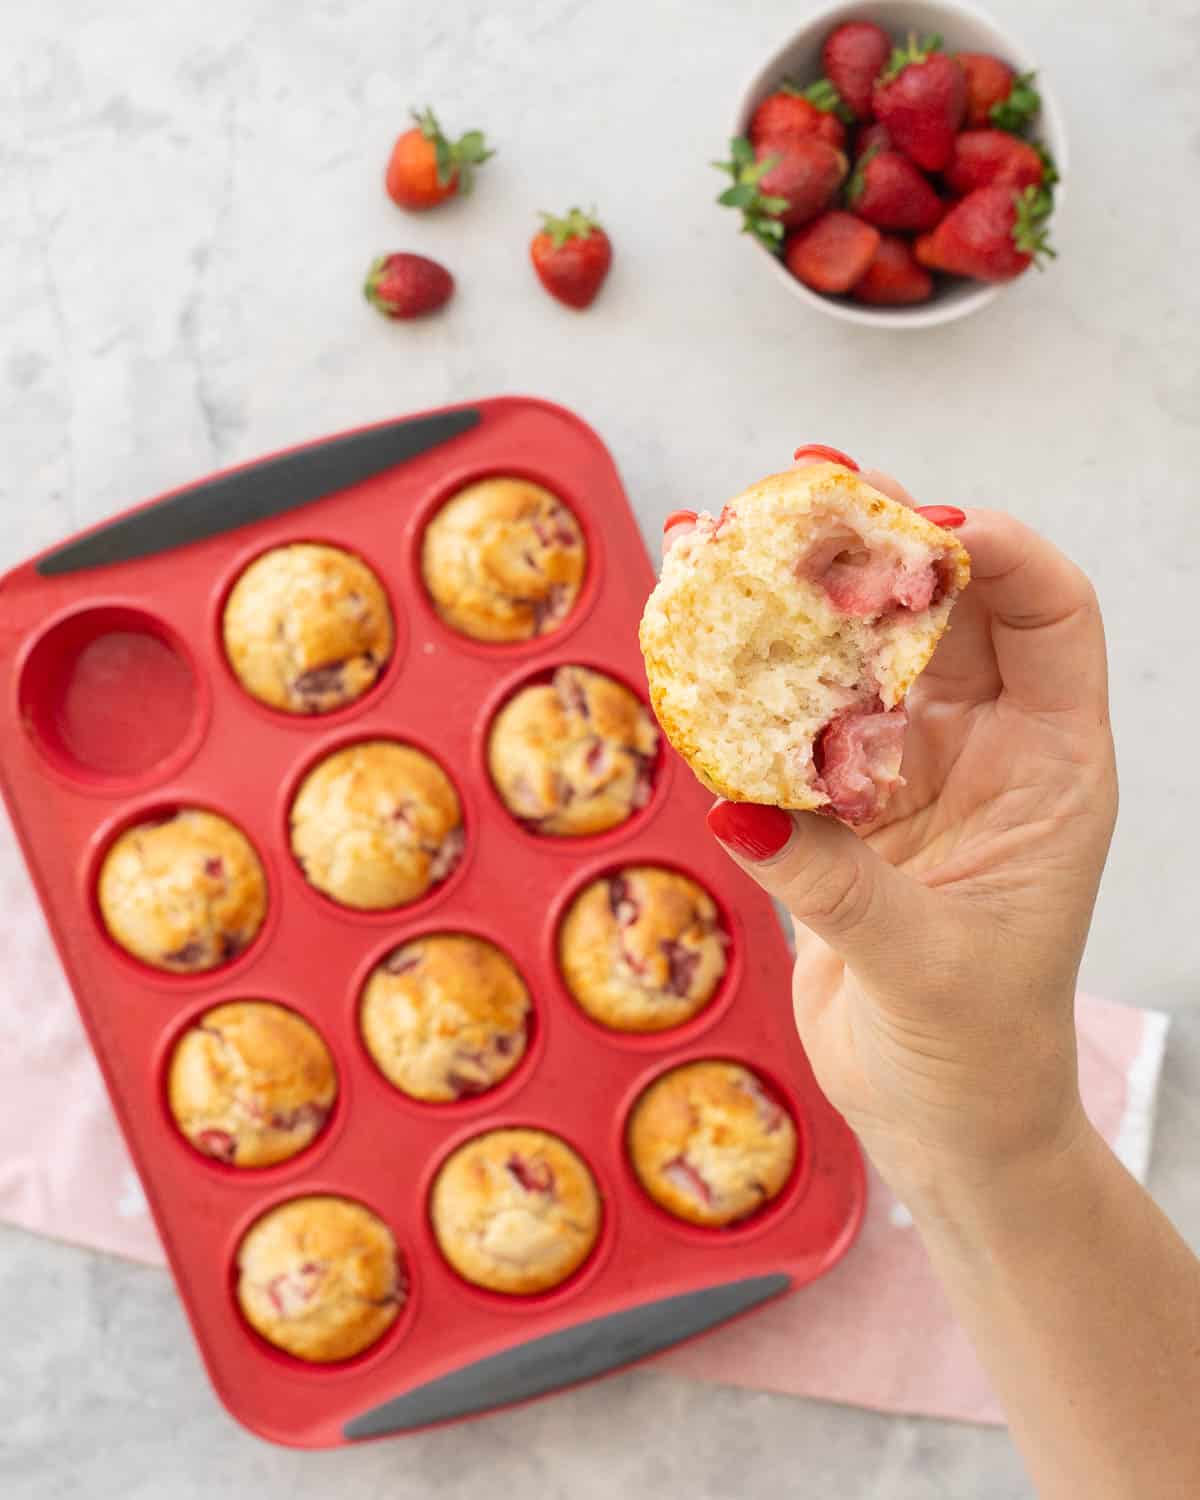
(937,955)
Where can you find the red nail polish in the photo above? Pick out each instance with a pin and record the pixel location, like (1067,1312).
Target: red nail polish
(679,518)
(749,830)
(819,450)
(947,516)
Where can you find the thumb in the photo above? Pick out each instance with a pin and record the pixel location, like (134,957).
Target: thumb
(876,918)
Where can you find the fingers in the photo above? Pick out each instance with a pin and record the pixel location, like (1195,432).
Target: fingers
(834,884)
(1043,616)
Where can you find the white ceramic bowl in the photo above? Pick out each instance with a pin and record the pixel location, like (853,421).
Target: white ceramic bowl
(964,29)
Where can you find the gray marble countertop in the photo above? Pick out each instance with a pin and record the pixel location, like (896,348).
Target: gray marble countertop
(190,197)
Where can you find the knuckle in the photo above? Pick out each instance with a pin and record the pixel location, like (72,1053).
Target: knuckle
(836,899)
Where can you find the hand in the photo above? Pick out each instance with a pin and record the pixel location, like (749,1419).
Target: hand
(937,955)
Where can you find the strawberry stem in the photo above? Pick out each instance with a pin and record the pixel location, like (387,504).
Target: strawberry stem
(912,52)
(1030,232)
(760,211)
(459,157)
(573,225)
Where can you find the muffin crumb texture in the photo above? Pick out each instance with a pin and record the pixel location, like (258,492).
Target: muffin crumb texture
(377,825)
(503,560)
(307,628)
(445,1017)
(515,1211)
(575,755)
(710,1144)
(642,949)
(184,893)
(251,1084)
(320,1278)
(783,636)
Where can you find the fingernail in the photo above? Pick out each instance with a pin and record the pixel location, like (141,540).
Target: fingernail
(948,516)
(679,518)
(819,450)
(749,830)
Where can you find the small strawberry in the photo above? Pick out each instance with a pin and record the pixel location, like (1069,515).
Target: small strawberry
(780,185)
(832,253)
(994,234)
(791,113)
(894,278)
(872,137)
(921,97)
(425,168)
(407,286)
(888,191)
(571,256)
(852,58)
(996,95)
(992,158)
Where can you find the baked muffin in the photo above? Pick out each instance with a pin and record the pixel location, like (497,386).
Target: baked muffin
(320,1277)
(445,1016)
(642,949)
(709,1143)
(250,1083)
(782,638)
(515,1211)
(503,560)
(574,755)
(307,628)
(184,893)
(376,825)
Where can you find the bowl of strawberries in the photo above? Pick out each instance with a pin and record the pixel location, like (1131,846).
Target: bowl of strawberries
(898,162)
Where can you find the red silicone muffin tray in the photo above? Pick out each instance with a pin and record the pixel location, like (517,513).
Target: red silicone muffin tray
(120,705)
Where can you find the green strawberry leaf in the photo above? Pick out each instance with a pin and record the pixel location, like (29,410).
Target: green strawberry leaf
(857,184)
(912,52)
(824,96)
(1022,105)
(1030,232)
(759,210)
(740,195)
(573,225)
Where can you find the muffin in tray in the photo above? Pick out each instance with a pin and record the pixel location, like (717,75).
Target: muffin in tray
(184,893)
(445,1016)
(376,825)
(320,1277)
(307,628)
(250,1083)
(709,1143)
(783,636)
(503,560)
(574,755)
(515,1211)
(642,949)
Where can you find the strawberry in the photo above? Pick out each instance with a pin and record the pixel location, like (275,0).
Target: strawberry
(994,234)
(995,94)
(852,58)
(780,185)
(894,278)
(425,168)
(888,191)
(872,137)
(992,158)
(407,286)
(921,97)
(832,253)
(571,256)
(791,113)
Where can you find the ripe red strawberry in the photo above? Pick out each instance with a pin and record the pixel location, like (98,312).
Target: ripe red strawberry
(790,114)
(425,168)
(888,191)
(832,253)
(407,286)
(571,256)
(777,185)
(922,97)
(994,234)
(992,158)
(894,278)
(852,58)
(806,174)
(995,95)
